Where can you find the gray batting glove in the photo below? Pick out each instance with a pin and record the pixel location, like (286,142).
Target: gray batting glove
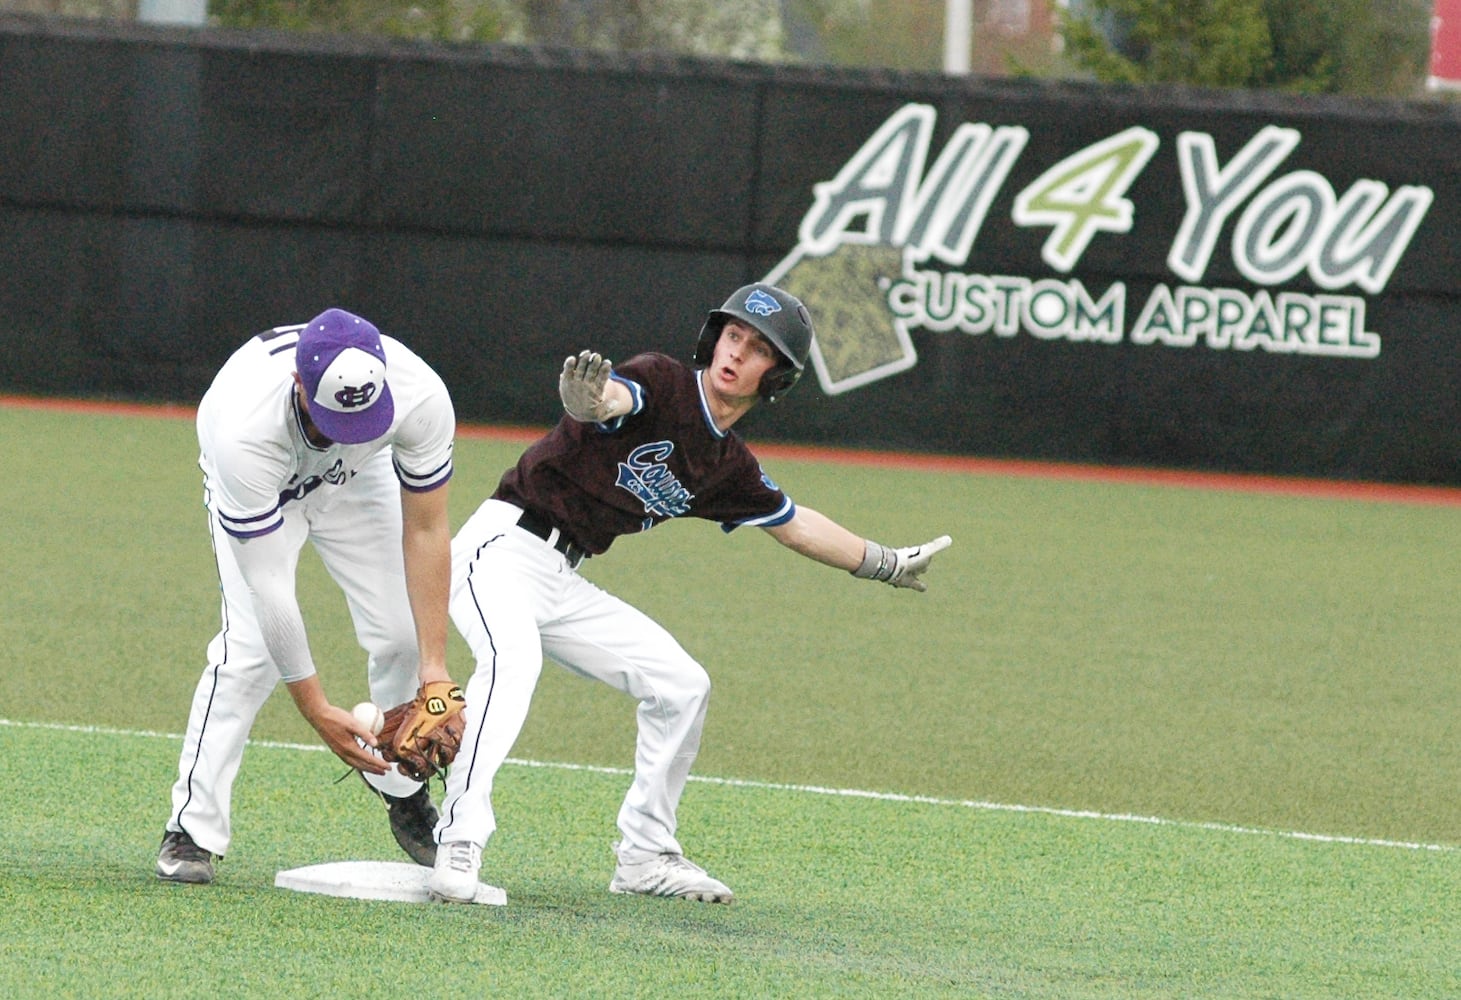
(581,386)
(900,567)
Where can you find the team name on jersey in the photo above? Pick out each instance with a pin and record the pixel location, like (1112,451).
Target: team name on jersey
(647,476)
(298,489)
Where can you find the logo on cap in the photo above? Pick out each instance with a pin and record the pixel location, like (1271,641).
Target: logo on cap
(762,303)
(352,396)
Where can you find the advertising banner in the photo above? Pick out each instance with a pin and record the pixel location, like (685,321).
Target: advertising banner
(1139,283)
(900,222)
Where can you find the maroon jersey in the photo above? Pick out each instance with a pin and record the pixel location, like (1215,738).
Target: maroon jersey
(664,459)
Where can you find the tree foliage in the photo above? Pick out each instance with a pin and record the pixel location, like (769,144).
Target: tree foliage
(901,34)
(747,30)
(750,29)
(1199,42)
(1358,47)
(1374,47)
(442,20)
(896,34)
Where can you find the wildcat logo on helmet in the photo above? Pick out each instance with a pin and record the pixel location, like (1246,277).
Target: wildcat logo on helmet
(355,395)
(762,304)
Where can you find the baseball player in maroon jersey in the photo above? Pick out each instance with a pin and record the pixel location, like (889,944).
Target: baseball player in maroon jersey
(639,445)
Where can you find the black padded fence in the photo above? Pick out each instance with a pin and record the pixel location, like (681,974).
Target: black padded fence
(1196,279)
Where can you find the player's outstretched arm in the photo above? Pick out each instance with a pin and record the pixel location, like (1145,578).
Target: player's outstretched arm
(588,393)
(818,537)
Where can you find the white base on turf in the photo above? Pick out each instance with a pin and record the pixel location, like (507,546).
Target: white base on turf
(397,881)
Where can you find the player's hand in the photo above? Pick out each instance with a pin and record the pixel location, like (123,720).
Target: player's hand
(582,384)
(909,564)
(900,567)
(343,733)
(423,736)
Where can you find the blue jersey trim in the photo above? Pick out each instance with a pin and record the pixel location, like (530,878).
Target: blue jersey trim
(636,404)
(781,515)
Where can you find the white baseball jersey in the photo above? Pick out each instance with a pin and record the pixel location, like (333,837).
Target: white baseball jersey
(258,459)
(269,490)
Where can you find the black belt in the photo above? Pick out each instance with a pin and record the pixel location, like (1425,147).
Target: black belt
(535,524)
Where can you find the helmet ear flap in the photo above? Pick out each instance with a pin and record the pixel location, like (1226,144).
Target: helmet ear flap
(705,346)
(777,382)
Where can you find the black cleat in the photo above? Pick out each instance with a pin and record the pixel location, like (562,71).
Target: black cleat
(413,823)
(181,860)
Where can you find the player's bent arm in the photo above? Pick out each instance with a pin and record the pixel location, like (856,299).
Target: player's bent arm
(819,537)
(426,546)
(337,727)
(264,562)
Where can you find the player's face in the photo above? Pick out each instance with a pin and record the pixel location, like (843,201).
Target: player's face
(310,430)
(741,357)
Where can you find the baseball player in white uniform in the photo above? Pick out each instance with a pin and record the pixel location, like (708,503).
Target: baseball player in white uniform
(334,434)
(638,446)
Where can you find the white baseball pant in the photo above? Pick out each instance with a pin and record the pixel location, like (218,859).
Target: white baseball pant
(356,529)
(516,600)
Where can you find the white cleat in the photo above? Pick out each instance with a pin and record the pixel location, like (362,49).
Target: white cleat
(454,876)
(668,875)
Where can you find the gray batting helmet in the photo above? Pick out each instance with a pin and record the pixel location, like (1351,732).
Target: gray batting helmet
(778,316)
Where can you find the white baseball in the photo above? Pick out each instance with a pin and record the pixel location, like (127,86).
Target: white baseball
(369,716)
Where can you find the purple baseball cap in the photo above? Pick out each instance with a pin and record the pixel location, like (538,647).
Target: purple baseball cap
(342,364)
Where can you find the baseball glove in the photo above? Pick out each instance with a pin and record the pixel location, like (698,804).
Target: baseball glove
(422,736)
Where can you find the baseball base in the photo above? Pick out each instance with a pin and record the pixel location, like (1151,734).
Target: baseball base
(389,880)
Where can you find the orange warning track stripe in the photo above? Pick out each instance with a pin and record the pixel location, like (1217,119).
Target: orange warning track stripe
(1334,489)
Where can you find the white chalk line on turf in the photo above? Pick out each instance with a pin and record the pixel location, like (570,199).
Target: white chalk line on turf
(853,793)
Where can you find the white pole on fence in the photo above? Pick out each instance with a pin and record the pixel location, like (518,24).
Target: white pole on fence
(958,32)
(173,11)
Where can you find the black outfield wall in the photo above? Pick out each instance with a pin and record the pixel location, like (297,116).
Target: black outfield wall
(1173,278)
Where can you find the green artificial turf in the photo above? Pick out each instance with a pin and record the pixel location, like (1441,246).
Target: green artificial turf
(1215,662)
(836,896)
